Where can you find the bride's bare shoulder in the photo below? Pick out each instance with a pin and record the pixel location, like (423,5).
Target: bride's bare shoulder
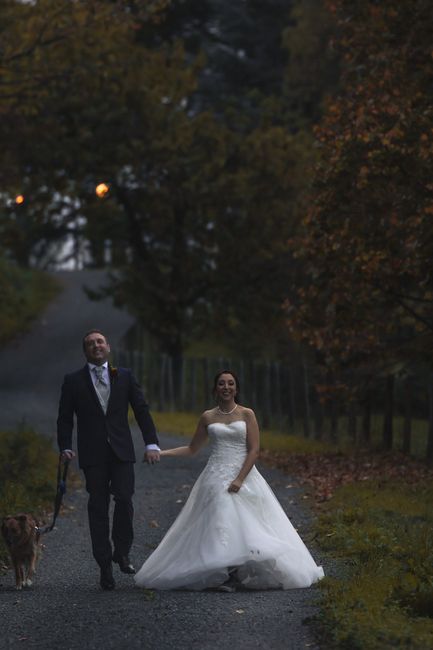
(208,416)
(246,412)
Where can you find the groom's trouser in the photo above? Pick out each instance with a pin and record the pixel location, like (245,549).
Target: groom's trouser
(114,477)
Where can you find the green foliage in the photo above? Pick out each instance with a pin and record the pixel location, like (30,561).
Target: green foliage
(382,534)
(201,201)
(242,42)
(27,474)
(23,294)
(312,70)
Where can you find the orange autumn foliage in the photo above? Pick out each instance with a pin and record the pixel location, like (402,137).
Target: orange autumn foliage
(366,242)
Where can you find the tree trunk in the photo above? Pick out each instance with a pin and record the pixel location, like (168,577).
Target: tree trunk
(389,412)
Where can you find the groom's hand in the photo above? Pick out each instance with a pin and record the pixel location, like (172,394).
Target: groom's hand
(151,456)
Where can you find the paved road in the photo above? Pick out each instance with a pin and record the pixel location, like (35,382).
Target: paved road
(35,363)
(66,608)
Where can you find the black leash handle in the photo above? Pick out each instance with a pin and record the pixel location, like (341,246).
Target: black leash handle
(61,490)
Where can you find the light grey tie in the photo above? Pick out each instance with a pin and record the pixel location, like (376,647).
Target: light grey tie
(102,388)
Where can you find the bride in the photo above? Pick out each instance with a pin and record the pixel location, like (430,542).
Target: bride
(231,532)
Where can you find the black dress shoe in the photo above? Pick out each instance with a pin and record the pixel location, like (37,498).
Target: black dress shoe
(107,581)
(124,563)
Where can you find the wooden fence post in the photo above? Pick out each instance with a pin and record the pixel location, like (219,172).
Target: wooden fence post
(183,385)
(242,381)
(170,384)
(333,425)
(193,386)
(206,383)
(366,419)
(388,413)
(318,419)
(291,391)
(307,410)
(429,450)
(277,400)
(352,422)
(161,383)
(266,406)
(407,423)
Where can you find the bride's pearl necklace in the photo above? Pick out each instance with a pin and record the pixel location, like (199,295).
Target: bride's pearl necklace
(227,412)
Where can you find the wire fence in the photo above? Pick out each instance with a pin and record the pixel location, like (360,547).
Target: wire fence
(393,411)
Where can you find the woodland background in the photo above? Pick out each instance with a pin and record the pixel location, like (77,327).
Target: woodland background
(255,177)
(266,194)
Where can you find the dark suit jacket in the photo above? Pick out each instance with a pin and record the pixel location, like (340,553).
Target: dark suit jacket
(94,427)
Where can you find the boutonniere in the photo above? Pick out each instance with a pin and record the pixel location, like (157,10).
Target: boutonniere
(113,372)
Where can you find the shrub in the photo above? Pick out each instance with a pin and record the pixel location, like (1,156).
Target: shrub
(27,474)
(23,294)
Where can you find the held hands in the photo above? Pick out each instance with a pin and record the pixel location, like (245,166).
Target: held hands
(235,486)
(151,456)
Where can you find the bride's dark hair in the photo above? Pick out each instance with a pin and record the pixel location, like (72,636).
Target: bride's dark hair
(235,377)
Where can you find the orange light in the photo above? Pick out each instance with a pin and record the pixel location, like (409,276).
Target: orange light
(101,190)
(19,199)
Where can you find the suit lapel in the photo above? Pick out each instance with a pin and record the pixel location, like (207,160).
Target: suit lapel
(113,379)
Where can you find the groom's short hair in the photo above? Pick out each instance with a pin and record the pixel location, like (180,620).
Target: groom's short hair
(94,331)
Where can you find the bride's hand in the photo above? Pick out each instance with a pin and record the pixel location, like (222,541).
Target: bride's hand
(235,486)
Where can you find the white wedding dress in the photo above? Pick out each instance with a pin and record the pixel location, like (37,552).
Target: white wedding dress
(218,531)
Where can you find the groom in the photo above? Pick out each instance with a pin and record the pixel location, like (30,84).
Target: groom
(99,395)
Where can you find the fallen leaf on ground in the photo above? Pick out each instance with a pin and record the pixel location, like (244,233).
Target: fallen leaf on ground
(323,473)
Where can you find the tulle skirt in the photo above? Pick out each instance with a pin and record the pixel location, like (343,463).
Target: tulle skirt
(218,533)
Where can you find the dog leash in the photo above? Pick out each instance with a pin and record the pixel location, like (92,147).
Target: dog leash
(61,489)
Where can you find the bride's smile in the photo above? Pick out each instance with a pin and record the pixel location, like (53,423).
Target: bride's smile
(226,391)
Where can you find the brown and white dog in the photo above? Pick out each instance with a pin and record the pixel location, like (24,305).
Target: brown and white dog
(21,534)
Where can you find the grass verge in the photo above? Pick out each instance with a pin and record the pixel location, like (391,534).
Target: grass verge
(27,476)
(375,520)
(382,533)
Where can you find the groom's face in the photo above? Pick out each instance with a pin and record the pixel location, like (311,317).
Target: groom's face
(96,348)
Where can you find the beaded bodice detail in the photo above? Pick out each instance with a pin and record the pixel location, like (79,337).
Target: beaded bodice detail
(228,448)
(218,532)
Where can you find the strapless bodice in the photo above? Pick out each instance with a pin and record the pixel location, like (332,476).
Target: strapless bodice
(218,531)
(228,447)
(228,438)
